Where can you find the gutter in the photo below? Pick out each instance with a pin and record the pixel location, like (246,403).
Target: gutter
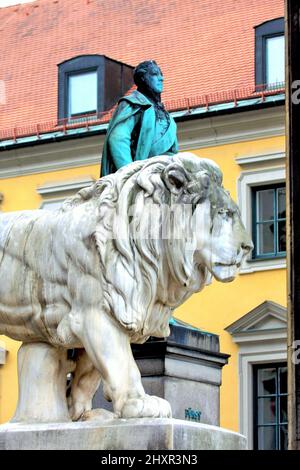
(179,116)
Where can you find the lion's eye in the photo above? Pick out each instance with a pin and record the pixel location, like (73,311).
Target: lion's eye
(225,212)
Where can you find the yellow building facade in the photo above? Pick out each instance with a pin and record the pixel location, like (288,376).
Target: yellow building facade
(249,148)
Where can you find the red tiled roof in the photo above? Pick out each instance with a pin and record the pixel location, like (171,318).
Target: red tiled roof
(202,46)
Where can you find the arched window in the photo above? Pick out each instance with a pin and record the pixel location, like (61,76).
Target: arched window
(269,54)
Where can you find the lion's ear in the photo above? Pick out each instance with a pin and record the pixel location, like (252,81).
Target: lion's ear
(198,188)
(175,178)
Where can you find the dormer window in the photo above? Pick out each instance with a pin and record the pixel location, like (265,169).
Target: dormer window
(90,85)
(269,54)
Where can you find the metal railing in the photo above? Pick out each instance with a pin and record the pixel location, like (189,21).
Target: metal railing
(181,104)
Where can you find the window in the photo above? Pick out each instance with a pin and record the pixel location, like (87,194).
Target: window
(269,54)
(258,173)
(82,96)
(54,193)
(52,204)
(261,337)
(91,84)
(79,87)
(269,221)
(274,60)
(270,407)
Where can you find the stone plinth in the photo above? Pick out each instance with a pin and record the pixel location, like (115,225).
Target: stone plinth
(185,369)
(133,434)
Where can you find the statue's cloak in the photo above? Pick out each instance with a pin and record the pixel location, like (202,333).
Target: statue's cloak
(145,145)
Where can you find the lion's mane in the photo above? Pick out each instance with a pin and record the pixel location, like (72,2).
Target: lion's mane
(142,281)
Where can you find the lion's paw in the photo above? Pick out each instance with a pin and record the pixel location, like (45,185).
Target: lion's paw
(98,414)
(149,406)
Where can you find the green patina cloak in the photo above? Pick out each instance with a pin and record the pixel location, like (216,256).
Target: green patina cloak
(124,144)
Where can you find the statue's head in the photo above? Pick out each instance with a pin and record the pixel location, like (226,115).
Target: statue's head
(148,77)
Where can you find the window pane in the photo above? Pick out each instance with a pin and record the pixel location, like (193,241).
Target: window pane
(283,438)
(271,410)
(281,236)
(265,238)
(267,438)
(82,93)
(275,60)
(266,411)
(266,381)
(283,380)
(283,409)
(265,204)
(281,203)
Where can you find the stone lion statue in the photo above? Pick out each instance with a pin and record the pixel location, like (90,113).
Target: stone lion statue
(105,270)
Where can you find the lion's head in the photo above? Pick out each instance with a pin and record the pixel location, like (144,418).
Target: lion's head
(223,248)
(165,226)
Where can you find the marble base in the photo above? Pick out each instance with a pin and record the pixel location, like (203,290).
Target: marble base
(121,434)
(185,369)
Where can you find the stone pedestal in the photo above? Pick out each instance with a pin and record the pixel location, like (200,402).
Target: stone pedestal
(132,434)
(185,369)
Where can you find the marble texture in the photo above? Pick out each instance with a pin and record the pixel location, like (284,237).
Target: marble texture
(120,434)
(185,369)
(107,270)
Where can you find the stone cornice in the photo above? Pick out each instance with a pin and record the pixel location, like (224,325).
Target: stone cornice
(192,134)
(228,129)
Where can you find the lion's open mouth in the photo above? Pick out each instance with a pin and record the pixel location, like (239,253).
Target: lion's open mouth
(237,265)
(225,272)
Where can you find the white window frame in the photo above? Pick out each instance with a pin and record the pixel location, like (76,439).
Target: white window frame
(3,352)
(257,345)
(257,354)
(59,191)
(247,180)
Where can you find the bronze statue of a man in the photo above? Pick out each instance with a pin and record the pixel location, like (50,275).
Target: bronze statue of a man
(140,127)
